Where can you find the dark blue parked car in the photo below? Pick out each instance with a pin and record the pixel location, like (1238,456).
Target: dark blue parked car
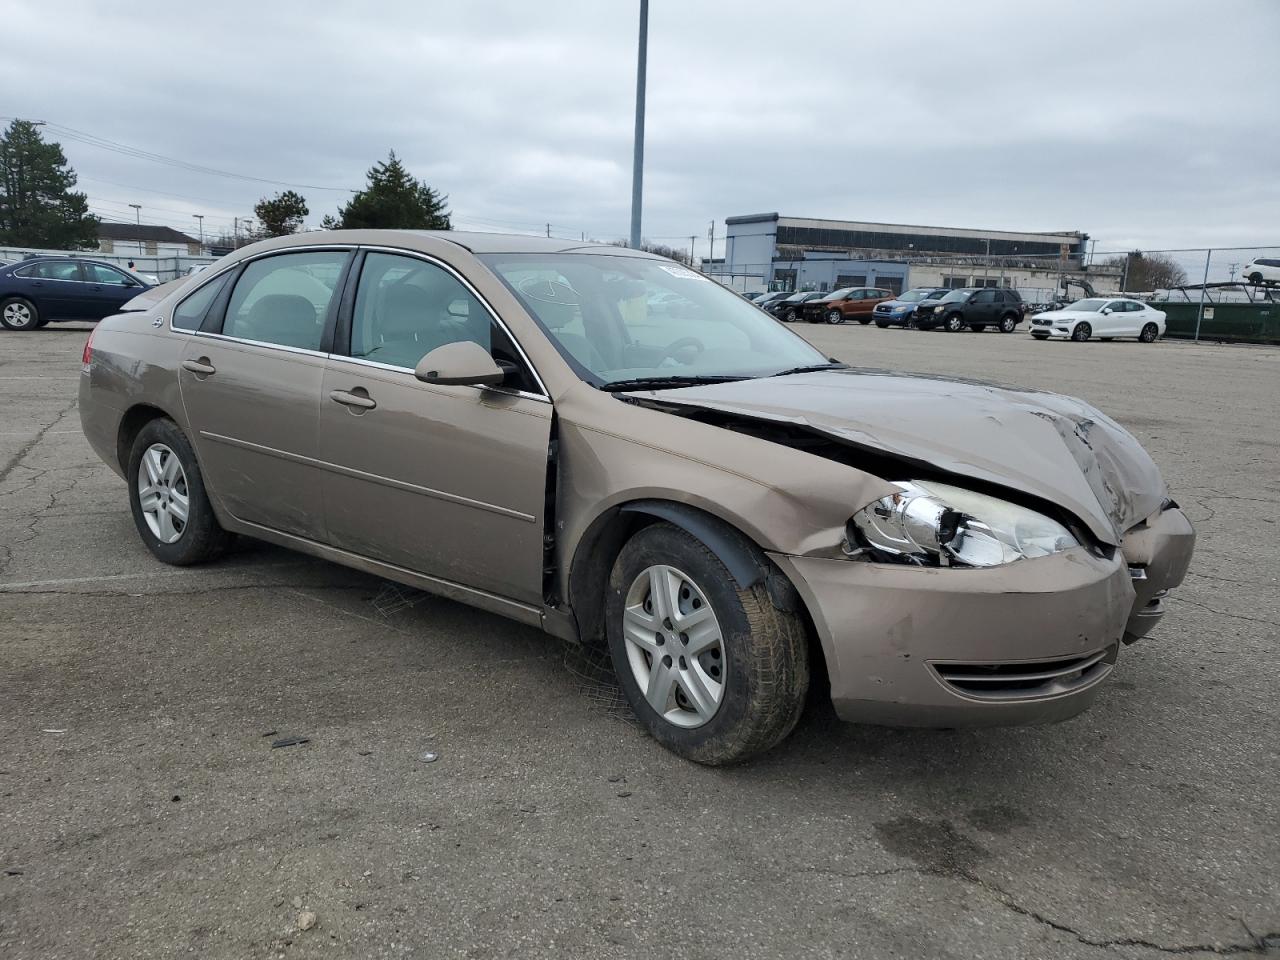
(901,310)
(34,292)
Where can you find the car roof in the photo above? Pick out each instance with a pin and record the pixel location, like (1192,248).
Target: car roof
(519,243)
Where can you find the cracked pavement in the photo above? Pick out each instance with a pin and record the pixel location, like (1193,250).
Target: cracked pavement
(144,812)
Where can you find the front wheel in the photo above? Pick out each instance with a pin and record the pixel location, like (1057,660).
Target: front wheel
(19,313)
(1149,333)
(882,324)
(715,673)
(791,315)
(1008,323)
(954,323)
(864,320)
(1255,278)
(167,497)
(835,316)
(1082,332)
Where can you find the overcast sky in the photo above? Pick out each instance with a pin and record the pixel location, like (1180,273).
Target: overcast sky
(1147,124)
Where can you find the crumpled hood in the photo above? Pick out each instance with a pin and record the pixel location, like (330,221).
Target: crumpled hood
(1050,446)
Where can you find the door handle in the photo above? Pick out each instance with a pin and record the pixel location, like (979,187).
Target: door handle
(201,367)
(350,399)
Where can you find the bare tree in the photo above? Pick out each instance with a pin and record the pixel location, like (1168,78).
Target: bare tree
(1148,271)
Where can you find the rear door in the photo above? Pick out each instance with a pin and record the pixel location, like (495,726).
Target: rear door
(981,308)
(446,481)
(106,289)
(56,287)
(251,378)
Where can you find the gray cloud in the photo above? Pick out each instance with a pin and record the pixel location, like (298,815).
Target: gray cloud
(1146,124)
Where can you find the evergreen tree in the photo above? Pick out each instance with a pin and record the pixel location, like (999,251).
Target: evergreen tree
(395,200)
(282,214)
(38,207)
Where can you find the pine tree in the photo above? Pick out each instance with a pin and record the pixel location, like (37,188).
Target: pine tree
(395,200)
(282,214)
(38,207)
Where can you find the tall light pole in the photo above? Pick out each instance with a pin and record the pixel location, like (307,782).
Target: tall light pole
(137,208)
(637,161)
(200,217)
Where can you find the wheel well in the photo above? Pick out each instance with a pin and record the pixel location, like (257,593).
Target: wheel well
(599,547)
(131,425)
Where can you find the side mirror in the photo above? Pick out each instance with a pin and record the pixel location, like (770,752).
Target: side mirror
(464,363)
(1105,311)
(130,282)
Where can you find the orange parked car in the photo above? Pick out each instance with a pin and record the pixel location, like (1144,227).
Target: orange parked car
(850,303)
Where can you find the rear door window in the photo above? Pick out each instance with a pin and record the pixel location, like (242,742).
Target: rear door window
(101,273)
(52,270)
(189,314)
(284,300)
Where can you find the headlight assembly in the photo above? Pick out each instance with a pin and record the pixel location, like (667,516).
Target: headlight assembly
(935,524)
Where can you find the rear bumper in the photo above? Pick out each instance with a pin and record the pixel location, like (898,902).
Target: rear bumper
(1030,642)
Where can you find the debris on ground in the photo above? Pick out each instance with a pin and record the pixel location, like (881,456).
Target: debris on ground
(306,920)
(289,742)
(429,757)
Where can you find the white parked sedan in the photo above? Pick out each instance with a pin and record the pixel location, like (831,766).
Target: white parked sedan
(1102,318)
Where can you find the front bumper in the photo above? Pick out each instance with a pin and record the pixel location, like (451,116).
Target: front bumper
(1029,642)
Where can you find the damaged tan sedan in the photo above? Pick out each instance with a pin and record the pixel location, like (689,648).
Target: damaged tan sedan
(614,448)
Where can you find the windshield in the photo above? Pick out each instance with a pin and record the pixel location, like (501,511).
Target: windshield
(957,296)
(1087,306)
(840,294)
(914,296)
(626,318)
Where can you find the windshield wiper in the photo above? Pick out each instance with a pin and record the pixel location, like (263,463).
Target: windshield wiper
(811,368)
(664,383)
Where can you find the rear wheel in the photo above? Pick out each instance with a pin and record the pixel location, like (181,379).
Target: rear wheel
(835,316)
(19,313)
(1149,333)
(1082,332)
(167,497)
(1255,278)
(1008,323)
(715,673)
(954,323)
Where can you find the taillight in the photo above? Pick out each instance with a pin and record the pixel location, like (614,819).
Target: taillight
(87,357)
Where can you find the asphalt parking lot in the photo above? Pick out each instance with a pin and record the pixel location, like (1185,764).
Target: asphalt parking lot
(144,811)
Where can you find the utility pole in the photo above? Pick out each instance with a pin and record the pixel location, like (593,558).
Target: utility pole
(235,233)
(711,237)
(200,217)
(548,229)
(691,240)
(637,161)
(137,209)
(1232,271)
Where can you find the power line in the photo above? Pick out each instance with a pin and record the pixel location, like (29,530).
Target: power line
(92,140)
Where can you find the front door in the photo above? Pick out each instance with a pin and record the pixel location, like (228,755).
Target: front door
(106,290)
(447,481)
(251,387)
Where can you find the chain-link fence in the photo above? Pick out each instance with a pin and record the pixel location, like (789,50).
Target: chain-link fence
(161,267)
(1223,293)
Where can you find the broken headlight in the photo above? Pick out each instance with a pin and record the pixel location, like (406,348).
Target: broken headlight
(934,524)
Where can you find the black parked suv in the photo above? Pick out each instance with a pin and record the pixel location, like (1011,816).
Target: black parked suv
(975,308)
(788,308)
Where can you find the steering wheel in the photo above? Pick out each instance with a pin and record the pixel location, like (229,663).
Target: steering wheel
(670,350)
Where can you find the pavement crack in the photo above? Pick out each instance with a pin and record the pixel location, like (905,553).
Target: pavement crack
(1224,613)
(34,442)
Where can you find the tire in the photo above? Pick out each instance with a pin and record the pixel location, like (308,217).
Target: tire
(1008,323)
(911,323)
(199,538)
(1106,339)
(882,324)
(791,315)
(1255,278)
(19,313)
(1081,332)
(835,316)
(954,323)
(978,327)
(1150,332)
(864,320)
(763,652)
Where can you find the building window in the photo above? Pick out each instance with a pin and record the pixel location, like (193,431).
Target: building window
(851,280)
(954,283)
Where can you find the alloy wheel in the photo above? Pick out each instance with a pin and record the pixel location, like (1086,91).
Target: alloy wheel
(1082,332)
(1008,324)
(18,316)
(163,494)
(954,323)
(1149,333)
(835,316)
(674,646)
